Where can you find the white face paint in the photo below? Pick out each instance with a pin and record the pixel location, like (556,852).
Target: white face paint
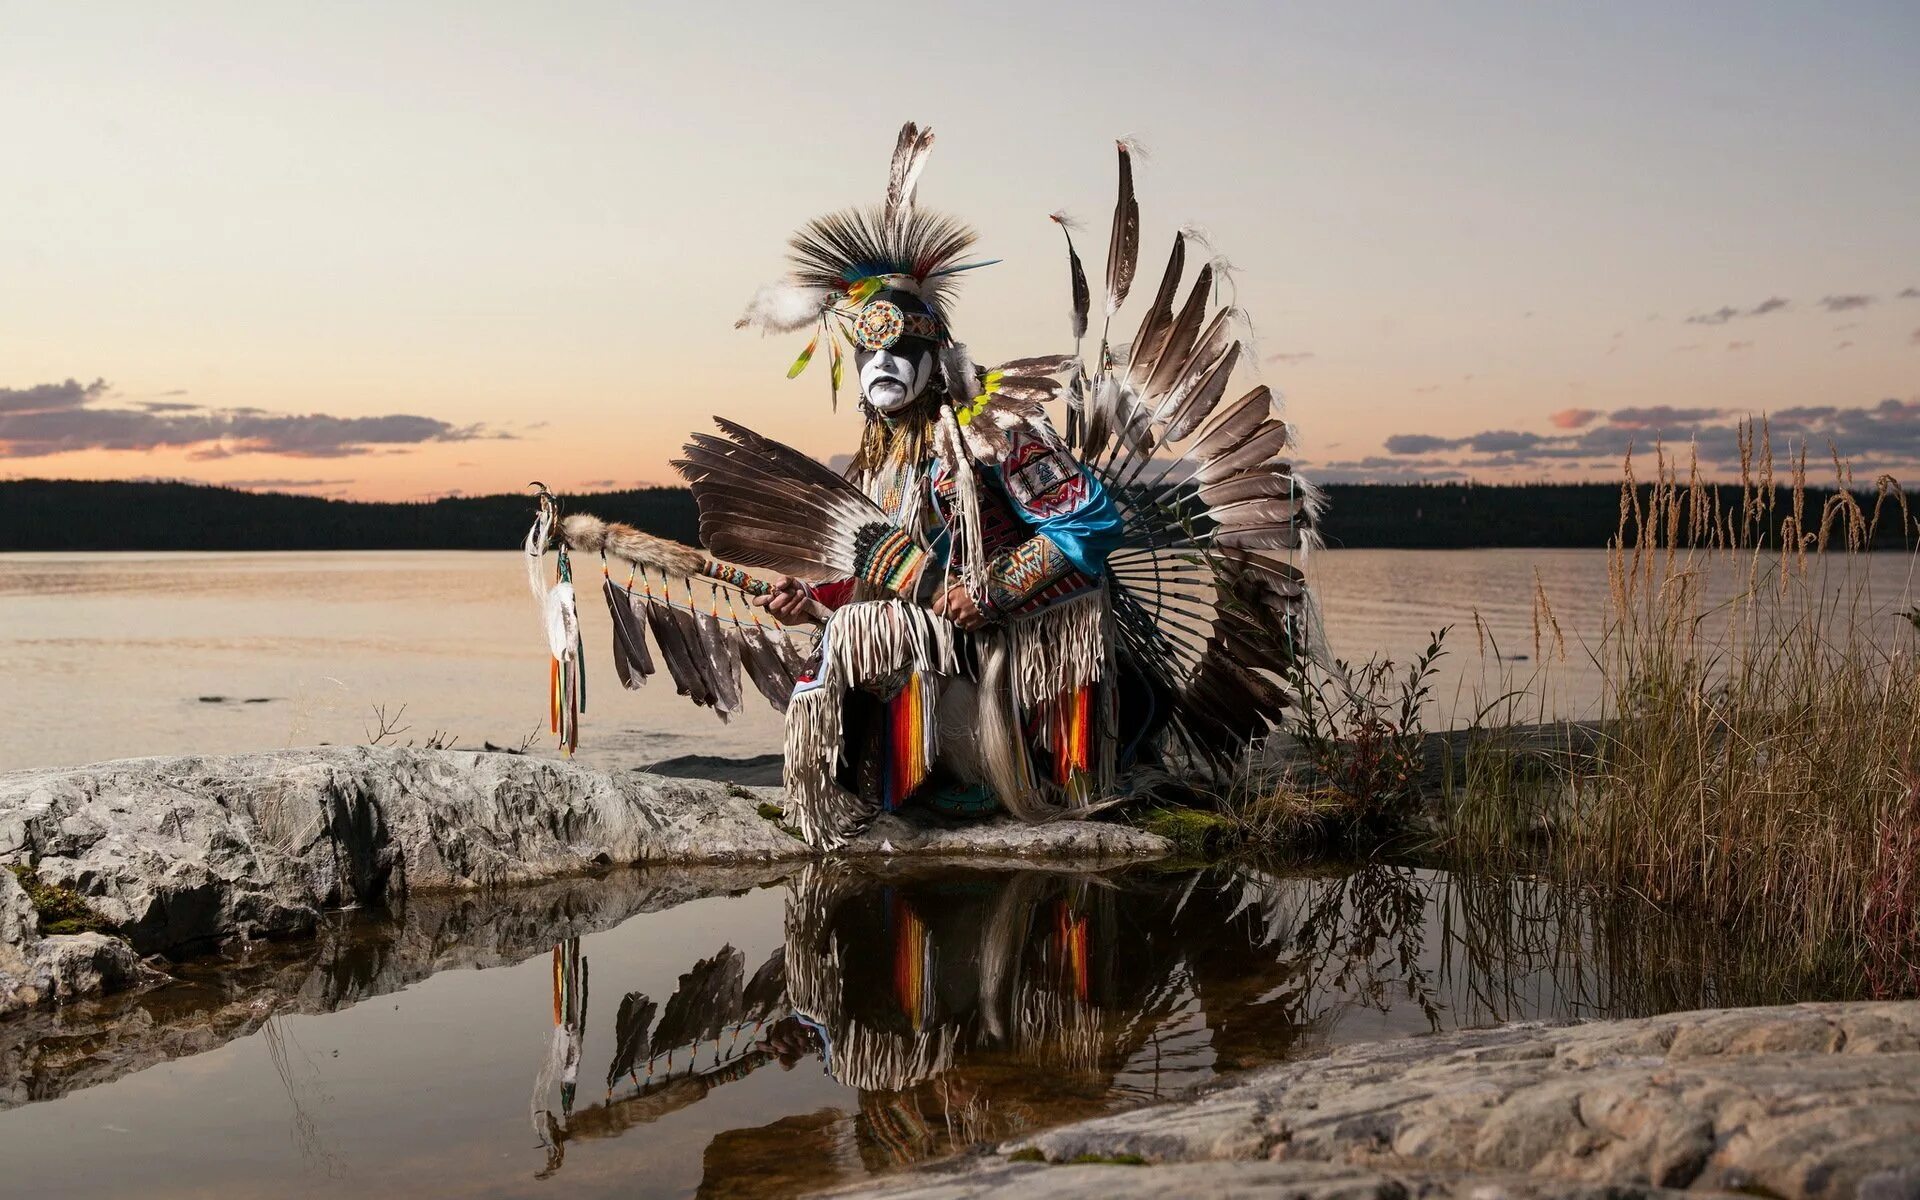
(891,381)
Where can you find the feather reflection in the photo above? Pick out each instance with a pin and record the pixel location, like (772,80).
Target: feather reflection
(958,1008)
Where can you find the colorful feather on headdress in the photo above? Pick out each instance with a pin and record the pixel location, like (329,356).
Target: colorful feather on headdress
(920,251)
(840,260)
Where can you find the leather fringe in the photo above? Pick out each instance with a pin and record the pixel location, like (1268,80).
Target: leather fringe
(861,643)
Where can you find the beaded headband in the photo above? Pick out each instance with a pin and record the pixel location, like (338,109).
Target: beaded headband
(883,323)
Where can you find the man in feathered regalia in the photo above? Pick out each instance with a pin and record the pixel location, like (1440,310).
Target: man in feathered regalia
(1005,535)
(1007,618)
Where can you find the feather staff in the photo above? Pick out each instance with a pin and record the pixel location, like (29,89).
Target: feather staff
(674,651)
(630,1036)
(630,657)
(720,663)
(567,670)
(765,665)
(707,997)
(768,987)
(686,653)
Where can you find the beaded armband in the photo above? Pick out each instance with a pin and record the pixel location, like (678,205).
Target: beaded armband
(1020,572)
(887,557)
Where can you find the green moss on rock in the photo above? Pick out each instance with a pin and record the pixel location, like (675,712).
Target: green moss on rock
(61,909)
(1195,831)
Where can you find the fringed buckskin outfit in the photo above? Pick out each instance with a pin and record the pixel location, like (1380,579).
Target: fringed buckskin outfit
(1020,713)
(1133,564)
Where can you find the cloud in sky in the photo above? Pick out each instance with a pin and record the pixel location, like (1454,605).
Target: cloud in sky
(53,418)
(47,397)
(1292,358)
(1739,345)
(1910,293)
(1844,303)
(1573,418)
(1725,313)
(1656,416)
(1872,436)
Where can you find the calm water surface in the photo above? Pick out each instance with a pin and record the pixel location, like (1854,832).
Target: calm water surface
(116,655)
(752,1033)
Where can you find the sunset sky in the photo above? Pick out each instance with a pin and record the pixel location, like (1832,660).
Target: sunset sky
(399,250)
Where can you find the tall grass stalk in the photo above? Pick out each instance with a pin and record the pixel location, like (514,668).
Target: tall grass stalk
(1763,716)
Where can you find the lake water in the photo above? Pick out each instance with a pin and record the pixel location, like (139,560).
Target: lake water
(116,655)
(746,1033)
(759,1032)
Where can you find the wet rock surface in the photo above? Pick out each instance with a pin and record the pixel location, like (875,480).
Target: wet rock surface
(182,853)
(39,970)
(1803,1102)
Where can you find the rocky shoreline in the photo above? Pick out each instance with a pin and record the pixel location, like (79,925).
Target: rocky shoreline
(332,875)
(181,854)
(1801,1102)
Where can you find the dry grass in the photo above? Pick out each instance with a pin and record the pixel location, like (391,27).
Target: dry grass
(1759,767)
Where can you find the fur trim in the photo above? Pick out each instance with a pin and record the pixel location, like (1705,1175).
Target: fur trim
(783,307)
(588,534)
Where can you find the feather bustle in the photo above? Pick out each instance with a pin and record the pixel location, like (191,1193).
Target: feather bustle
(1259,446)
(1233,424)
(1123,246)
(1200,397)
(1152,333)
(1173,352)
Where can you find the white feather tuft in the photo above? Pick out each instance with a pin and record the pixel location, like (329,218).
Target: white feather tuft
(1067,219)
(1316,502)
(1224,272)
(783,308)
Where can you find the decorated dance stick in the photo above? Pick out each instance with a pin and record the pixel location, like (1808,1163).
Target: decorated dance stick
(585,533)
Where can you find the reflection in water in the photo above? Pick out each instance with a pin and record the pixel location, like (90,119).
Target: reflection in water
(563,1056)
(765,1031)
(967,1007)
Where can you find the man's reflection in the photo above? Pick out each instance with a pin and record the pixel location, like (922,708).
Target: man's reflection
(967,1007)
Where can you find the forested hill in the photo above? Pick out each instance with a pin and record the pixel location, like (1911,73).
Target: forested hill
(40,514)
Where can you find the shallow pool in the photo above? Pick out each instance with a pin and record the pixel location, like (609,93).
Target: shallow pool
(767,1031)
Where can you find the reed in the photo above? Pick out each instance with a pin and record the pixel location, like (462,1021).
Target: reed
(1762,717)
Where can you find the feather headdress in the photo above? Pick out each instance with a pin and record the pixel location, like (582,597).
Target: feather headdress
(841,261)
(846,253)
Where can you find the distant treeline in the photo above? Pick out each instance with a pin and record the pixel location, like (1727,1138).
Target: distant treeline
(54,514)
(1449,516)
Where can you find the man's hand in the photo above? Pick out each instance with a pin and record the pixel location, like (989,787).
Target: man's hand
(957,605)
(787,602)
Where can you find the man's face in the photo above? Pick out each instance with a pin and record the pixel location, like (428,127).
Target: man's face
(893,378)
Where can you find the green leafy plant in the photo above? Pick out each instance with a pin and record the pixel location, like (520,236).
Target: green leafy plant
(1361,731)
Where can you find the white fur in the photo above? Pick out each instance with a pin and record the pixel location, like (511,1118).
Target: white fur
(783,308)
